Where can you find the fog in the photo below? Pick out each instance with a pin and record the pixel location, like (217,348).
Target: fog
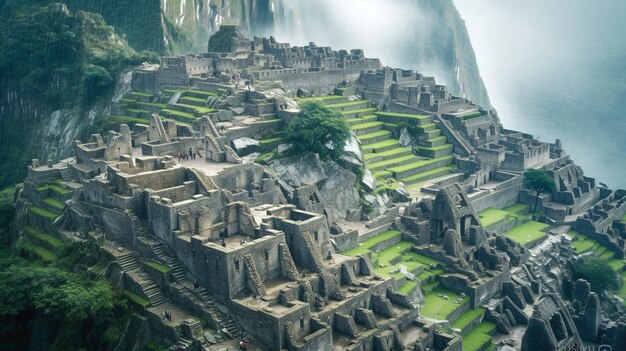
(558,69)
(402,33)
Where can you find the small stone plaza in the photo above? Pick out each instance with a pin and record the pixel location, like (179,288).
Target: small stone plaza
(425,237)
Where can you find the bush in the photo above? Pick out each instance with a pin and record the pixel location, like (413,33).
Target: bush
(597,272)
(318,129)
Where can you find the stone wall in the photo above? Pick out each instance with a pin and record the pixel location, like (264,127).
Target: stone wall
(503,195)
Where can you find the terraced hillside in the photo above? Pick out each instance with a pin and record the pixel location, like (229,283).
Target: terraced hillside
(393,257)
(182,105)
(384,156)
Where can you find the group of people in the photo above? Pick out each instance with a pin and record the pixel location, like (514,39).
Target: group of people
(188,155)
(168,315)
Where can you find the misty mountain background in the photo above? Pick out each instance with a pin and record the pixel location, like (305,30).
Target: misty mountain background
(557,70)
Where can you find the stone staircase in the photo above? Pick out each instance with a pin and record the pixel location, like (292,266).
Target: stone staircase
(128,262)
(225,321)
(176,269)
(253,274)
(183,283)
(67,174)
(182,343)
(152,291)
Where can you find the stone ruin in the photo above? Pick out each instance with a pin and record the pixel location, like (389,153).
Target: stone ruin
(236,249)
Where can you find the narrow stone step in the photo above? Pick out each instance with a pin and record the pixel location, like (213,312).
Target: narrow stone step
(385,155)
(375,137)
(437,141)
(422,177)
(437,151)
(366,128)
(361,120)
(380,146)
(397,161)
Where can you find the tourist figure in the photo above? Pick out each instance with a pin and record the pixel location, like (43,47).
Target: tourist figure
(243,345)
(190,153)
(179,156)
(222,242)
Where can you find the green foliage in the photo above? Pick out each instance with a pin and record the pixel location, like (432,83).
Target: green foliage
(540,181)
(51,59)
(319,130)
(85,314)
(597,272)
(96,80)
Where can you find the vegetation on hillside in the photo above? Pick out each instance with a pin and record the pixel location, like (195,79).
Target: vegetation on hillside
(51,59)
(319,130)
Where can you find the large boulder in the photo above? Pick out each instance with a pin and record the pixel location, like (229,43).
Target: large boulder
(335,183)
(245,146)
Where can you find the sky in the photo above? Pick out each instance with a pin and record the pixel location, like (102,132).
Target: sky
(557,69)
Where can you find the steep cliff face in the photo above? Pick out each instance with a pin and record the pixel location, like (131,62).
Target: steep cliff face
(58,72)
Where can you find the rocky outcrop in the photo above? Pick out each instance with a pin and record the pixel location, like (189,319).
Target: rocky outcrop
(335,183)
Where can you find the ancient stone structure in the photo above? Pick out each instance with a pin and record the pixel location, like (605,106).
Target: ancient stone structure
(201,211)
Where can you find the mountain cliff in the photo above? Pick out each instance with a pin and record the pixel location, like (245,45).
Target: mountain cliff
(45,105)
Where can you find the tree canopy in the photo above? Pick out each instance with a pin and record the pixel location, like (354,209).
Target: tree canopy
(318,129)
(84,313)
(597,272)
(540,181)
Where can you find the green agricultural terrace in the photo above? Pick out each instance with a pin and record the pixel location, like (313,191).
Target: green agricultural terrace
(492,216)
(436,306)
(527,233)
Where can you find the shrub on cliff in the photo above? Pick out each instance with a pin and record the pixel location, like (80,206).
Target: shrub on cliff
(319,130)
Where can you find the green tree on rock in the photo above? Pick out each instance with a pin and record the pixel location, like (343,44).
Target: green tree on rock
(540,181)
(318,129)
(597,272)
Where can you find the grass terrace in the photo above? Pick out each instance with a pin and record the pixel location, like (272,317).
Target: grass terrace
(471,116)
(43,236)
(182,114)
(427,175)
(493,215)
(364,247)
(581,244)
(319,98)
(201,92)
(153,104)
(527,233)
(358,120)
(398,114)
(380,145)
(54,203)
(478,338)
(270,140)
(419,163)
(468,317)
(158,266)
(347,103)
(407,287)
(39,251)
(437,307)
(55,188)
(139,93)
(194,99)
(42,212)
(198,109)
(137,299)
